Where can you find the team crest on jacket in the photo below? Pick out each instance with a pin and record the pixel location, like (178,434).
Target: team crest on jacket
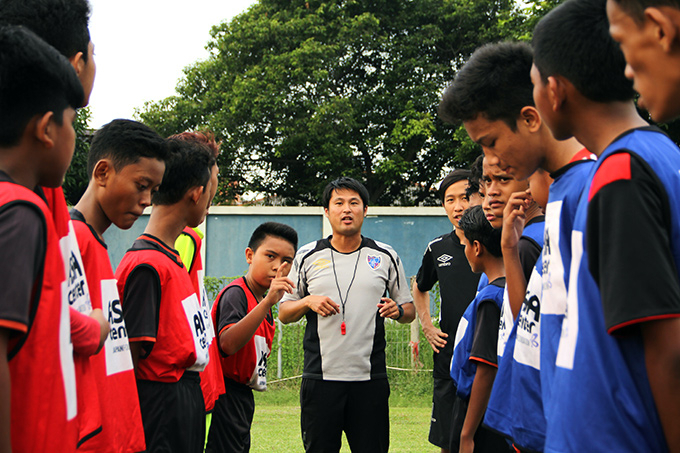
(374,261)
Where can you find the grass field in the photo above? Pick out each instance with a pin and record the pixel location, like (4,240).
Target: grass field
(276,426)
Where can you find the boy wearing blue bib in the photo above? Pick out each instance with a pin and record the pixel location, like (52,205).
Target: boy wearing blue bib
(618,385)
(474,362)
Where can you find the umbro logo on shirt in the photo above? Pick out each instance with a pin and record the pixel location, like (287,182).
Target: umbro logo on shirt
(321,263)
(444,260)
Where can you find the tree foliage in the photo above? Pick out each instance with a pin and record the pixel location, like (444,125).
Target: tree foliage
(76,179)
(301,92)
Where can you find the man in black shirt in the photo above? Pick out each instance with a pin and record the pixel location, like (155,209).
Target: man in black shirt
(444,261)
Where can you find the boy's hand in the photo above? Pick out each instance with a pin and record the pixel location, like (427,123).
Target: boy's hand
(104,327)
(280,285)
(514,218)
(388,308)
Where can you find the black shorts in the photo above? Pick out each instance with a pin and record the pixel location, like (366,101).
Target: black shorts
(173,414)
(443,396)
(231,419)
(360,409)
(486,441)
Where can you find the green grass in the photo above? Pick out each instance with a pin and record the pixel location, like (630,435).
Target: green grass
(276,425)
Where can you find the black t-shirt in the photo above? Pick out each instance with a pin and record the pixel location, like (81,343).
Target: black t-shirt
(23,244)
(485,341)
(529,250)
(444,262)
(628,243)
(141,309)
(233,307)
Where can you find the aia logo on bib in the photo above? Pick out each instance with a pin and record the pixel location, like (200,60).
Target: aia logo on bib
(374,262)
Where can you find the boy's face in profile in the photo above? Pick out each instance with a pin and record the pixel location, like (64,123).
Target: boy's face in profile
(498,187)
(654,69)
(455,201)
(543,102)
(513,152)
(266,259)
(87,73)
(205,200)
(539,187)
(128,192)
(57,158)
(469,251)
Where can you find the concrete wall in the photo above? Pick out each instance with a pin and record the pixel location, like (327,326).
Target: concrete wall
(227,230)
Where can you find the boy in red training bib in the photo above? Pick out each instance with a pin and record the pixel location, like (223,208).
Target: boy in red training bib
(245,329)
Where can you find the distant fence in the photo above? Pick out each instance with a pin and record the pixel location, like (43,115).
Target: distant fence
(406,349)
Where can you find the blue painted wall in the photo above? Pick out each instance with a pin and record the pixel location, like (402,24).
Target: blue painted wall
(227,237)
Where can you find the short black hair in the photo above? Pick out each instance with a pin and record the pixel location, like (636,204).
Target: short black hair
(476,227)
(636,8)
(125,142)
(61,23)
(344,183)
(476,172)
(573,41)
(189,164)
(275,229)
(455,176)
(34,79)
(495,82)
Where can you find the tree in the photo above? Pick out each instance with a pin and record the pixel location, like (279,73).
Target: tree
(76,179)
(301,92)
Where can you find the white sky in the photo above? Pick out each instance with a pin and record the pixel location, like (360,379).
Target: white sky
(141,47)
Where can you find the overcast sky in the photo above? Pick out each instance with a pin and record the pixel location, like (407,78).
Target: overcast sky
(141,47)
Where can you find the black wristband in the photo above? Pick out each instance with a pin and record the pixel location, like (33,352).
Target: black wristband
(401,312)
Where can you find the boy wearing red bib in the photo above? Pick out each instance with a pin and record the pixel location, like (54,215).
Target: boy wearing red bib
(245,328)
(37,386)
(167,332)
(126,165)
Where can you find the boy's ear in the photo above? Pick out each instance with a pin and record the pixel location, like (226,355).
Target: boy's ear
(77,62)
(249,255)
(557,92)
(44,129)
(477,247)
(102,170)
(195,193)
(530,117)
(664,28)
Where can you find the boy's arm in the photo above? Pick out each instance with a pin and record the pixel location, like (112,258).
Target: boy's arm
(22,237)
(140,301)
(435,337)
(483,352)
(88,333)
(513,227)
(662,357)
(479,398)
(233,338)
(5,394)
